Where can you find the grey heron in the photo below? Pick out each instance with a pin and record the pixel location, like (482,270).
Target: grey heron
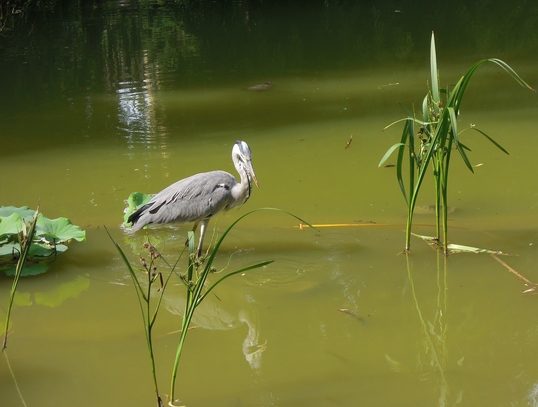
(200,196)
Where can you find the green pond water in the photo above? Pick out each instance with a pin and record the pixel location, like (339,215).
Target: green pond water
(105,98)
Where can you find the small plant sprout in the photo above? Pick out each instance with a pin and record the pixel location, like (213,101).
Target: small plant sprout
(429,141)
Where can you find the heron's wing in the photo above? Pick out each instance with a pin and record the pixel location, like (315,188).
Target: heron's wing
(197,197)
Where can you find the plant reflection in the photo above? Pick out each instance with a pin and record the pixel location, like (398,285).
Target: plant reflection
(435,331)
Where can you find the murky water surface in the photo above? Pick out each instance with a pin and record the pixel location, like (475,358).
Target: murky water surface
(102,100)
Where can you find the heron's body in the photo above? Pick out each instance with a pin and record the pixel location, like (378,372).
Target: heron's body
(200,196)
(191,199)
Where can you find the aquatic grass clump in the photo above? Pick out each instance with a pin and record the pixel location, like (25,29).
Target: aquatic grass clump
(195,279)
(431,139)
(144,287)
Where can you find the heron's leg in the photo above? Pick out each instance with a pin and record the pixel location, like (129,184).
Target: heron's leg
(203,226)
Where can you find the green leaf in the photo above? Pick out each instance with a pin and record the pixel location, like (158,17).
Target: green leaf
(425,109)
(454,126)
(25,212)
(29,270)
(40,250)
(389,153)
(434,74)
(11,225)
(507,68)
(135,201)
(59,230)
(233,273)
(8,250)
(490,139)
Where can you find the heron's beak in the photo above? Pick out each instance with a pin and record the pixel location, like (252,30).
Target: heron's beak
(250,172)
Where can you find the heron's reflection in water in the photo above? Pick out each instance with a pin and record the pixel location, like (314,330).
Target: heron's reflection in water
(210,314)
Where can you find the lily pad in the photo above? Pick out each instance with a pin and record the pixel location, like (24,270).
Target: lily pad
(135,201)
(50,239)
(59,230)
(11,225)
(24,212)
(29,270)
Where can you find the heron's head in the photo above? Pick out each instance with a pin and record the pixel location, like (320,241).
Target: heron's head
(242,157)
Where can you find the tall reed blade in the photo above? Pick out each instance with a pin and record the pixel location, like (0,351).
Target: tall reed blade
(144,298)
(433,72)
(25,240)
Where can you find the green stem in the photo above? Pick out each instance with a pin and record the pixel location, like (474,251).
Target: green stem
(25,243)
(437,177)
(149,337)
(184,329)
(445,218)
(408,228)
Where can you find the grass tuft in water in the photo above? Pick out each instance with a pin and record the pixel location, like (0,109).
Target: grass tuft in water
(197,288)
(149,306)
(432,144)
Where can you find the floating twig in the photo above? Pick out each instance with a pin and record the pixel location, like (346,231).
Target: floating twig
(519,276)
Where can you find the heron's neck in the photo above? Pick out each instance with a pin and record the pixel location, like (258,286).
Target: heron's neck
(241,190)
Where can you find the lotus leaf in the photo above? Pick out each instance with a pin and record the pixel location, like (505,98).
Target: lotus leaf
(10,249)
(135,201)
(24,212)
(29,270)
(49,240)
(59,230)
(10,225)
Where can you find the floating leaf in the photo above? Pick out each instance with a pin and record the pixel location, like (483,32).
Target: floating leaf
(135,201)
(10,225)
(29,270)
(40,250)
(24,212)
(48,241)
(458,248)
(59,230)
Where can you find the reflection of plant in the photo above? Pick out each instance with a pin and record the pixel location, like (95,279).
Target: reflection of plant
(51,238)
(435,332)
(431,146)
